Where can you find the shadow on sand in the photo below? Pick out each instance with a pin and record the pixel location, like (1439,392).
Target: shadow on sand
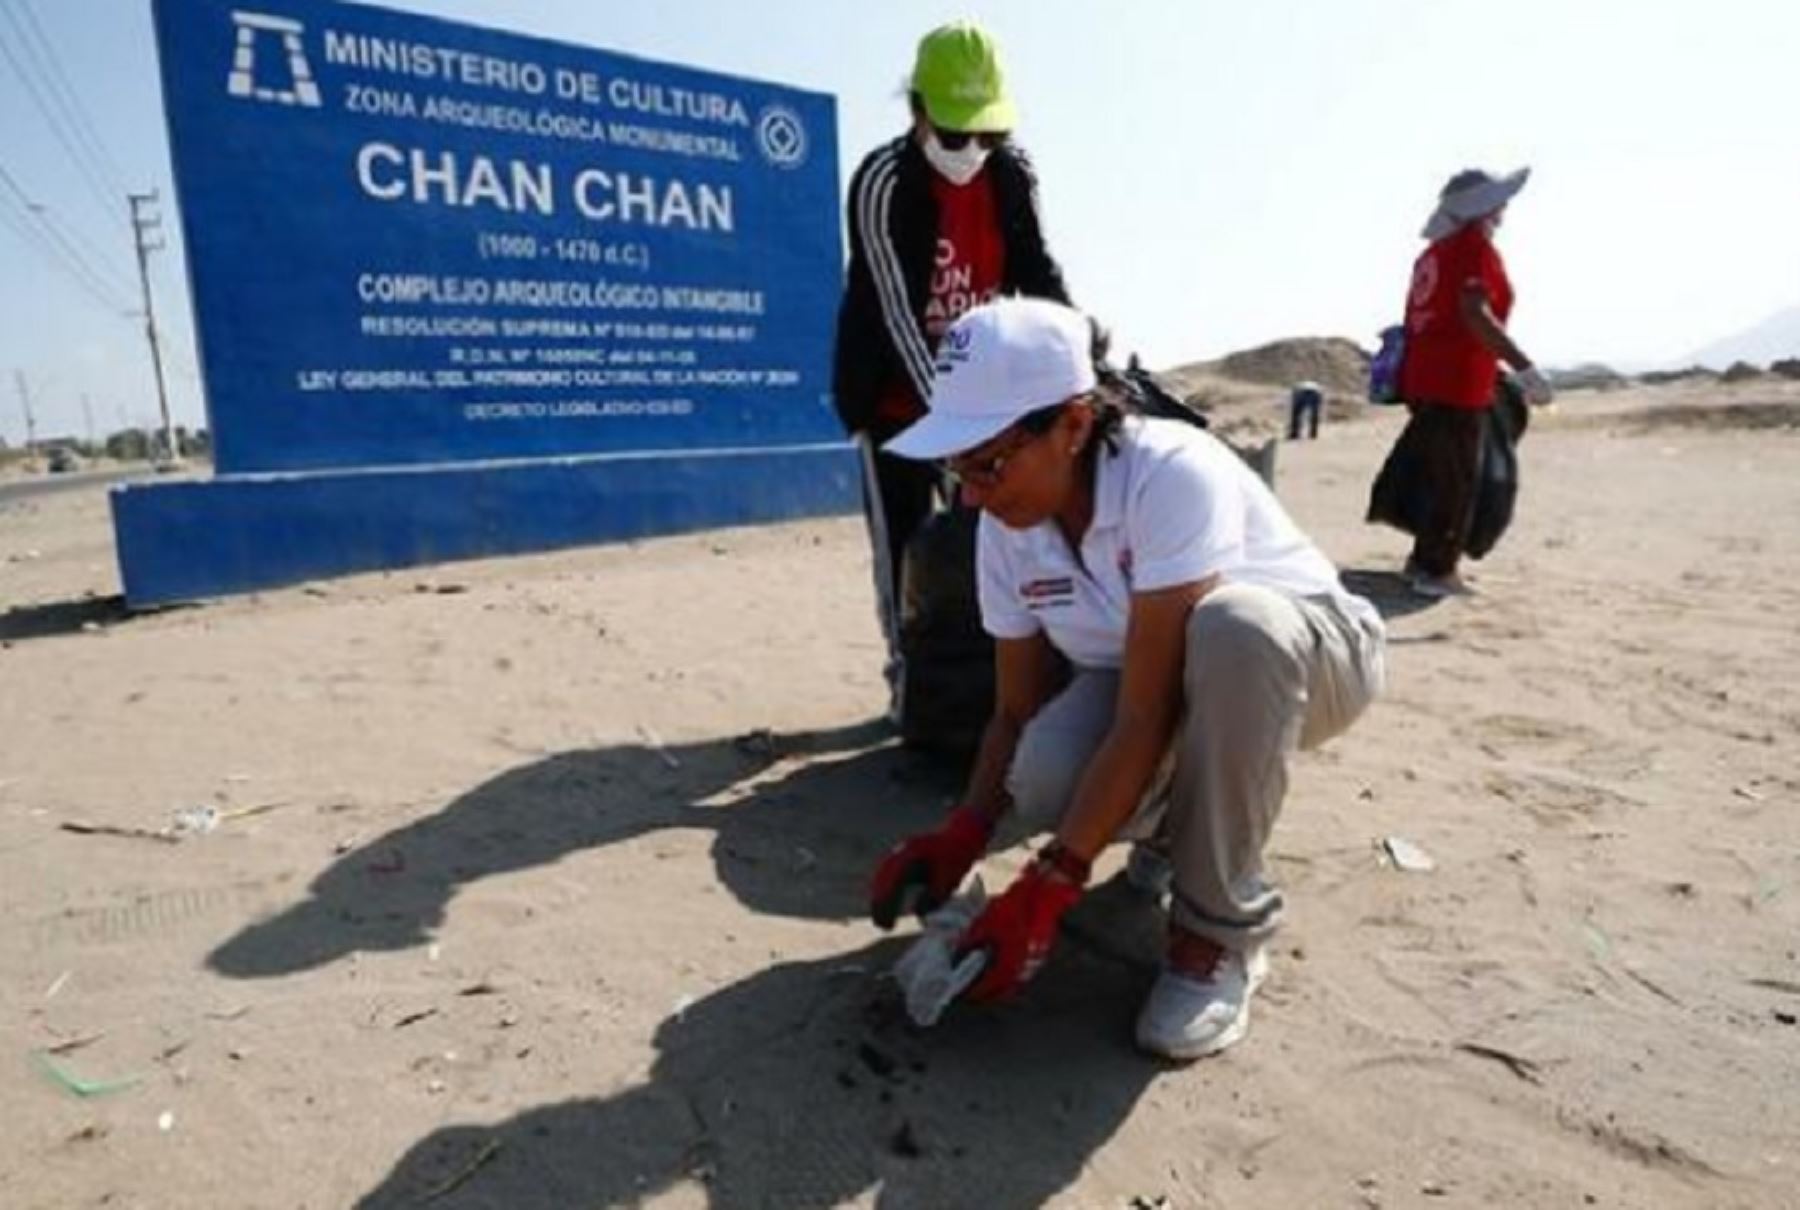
(391,893)
(800,1086)
(61,617)
(1387,591)
(803,1086)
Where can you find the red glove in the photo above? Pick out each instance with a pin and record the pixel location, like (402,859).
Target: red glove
(1017,929)
(921,873)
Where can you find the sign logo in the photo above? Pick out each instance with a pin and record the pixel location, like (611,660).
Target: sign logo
(782,137)
(301,89)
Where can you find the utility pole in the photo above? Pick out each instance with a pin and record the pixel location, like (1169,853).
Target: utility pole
(25,402)
(87,414)
(139,226)
(127,429)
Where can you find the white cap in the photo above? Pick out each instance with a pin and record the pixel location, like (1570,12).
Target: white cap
(998,362)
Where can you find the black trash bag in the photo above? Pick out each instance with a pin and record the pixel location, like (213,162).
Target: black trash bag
(1400,496)
(947,688)
(1497,491)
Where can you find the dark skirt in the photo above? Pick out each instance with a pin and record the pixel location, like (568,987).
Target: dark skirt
(1452,480)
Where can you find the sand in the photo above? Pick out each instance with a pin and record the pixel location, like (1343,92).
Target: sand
(538,882)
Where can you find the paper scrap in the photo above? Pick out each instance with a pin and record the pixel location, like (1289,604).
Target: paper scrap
(1407,856)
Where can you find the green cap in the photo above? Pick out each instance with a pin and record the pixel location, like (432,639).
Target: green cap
(958,77)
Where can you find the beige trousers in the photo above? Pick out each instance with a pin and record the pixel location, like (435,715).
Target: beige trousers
(1266,674)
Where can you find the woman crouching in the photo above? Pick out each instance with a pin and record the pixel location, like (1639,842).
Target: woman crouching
(1208,639)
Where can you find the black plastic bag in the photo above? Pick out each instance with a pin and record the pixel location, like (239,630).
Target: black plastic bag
(1400,496)
(947,691)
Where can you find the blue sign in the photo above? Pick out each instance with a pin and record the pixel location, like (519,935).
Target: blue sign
(412,241)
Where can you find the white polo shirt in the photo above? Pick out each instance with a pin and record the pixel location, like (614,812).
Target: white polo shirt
(1173,506)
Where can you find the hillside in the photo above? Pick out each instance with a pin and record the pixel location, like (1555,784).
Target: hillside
(1247,390)
(1772,339)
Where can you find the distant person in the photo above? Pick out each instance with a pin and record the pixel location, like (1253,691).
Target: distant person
(1304,405)
(1456,338)
(1208,637)
(941,219)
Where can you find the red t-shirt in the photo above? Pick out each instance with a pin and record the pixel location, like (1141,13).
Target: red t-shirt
(968,266)
(1445,360)
(971,257)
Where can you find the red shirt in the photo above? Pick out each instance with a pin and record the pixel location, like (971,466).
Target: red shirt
(971,257)
(1446,362)
(968,266)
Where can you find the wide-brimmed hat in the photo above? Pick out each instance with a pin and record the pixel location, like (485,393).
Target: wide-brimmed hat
(1471,194)
(957,75)
(999,362)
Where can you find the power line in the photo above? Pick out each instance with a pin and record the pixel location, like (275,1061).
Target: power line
(70,144)
(56,100)
(46,250)
(50,241)
(56,259)
(83,121)
(66,240)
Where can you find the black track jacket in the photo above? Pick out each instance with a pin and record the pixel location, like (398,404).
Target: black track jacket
(893,240)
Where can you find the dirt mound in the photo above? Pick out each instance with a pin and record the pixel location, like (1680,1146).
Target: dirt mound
(1590,376)
(1657,378)
(1741,371)
(1245,394)
(1338,365)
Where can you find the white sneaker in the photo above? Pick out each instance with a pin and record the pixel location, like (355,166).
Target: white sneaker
(1189,1018)
(1148,871)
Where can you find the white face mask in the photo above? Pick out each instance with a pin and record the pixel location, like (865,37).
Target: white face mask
(957,167)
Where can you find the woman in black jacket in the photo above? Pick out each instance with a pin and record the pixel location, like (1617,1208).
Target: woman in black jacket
(941,219)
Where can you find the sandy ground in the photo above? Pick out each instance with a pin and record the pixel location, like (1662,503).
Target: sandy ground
(556,900)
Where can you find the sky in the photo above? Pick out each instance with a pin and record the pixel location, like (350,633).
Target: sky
(1214,174)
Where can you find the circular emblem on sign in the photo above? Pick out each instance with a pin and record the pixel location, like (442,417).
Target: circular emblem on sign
(782,137)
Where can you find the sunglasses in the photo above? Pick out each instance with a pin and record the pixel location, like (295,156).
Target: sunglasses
(986,470)
(956,140)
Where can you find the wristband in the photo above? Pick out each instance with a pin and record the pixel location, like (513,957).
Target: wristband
(1057,858)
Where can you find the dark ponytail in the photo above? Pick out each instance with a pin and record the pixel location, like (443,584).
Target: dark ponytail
(1113,397)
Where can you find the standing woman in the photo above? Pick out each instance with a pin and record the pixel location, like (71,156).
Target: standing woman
(941,219)
(1209,639)
(1456,338)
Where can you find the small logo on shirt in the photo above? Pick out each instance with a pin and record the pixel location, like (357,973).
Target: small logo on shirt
(1051,593)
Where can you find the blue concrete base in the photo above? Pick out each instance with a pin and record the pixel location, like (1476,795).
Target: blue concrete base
(233,533)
